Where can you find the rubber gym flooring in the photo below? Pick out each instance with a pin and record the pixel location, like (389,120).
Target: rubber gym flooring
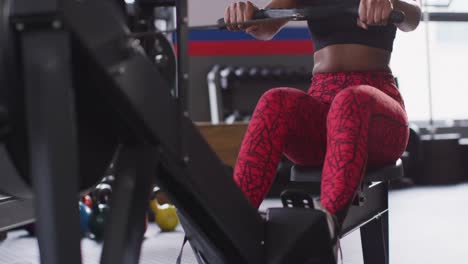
(427,226)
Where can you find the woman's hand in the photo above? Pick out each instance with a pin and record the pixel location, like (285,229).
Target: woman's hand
(244,11)
(240,12)
(374,12)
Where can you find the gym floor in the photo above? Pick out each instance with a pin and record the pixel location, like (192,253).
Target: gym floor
(427,225)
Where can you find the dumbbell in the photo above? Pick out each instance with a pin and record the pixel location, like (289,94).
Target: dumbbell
(97,220)
(226,75)
(241,73)
(234,117)
(85,215)
(165,215)
(278,73)
(254,72)
(87,200)
(265,73)
(109,179)
(102,193)
(157,193)
(101,196)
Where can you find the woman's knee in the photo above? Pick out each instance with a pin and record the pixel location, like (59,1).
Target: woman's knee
(354,100)
(281,97)
(352,107)
(355,93)
(280,92)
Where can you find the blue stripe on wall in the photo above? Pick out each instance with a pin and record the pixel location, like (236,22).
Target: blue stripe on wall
(289,33)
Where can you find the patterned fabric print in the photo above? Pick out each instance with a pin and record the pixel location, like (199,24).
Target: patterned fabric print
(325,86)
(285,121)
(344,123)
(364,125)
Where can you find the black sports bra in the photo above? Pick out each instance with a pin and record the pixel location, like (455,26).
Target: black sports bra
(342,29)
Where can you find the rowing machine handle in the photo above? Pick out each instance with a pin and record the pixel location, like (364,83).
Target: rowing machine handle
(259,14)
(395,17)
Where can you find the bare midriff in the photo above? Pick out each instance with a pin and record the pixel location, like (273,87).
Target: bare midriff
(351,57)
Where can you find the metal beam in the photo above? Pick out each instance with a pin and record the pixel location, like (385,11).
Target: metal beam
(448,16)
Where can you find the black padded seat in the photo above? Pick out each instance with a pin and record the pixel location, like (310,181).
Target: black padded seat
(314,174)
(369,212)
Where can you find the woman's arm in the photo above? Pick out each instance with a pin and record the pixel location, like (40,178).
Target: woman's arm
(243,11)
(412,9)
(377,12)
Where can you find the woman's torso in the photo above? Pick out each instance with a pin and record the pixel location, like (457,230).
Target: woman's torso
(351,57)
(341,45)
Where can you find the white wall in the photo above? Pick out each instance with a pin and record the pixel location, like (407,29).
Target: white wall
(202,12)
(207,12)
(449,60)
(410,67)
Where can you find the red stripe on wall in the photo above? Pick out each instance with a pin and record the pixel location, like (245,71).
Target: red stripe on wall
(250,47)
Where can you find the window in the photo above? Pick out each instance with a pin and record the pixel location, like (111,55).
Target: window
(448,54)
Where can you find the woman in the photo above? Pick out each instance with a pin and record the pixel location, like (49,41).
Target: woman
(351,118)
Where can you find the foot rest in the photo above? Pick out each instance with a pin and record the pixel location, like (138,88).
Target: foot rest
(314,174)
(292,198)
(296,235)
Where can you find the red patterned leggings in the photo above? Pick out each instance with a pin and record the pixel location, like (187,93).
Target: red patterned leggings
(345,122)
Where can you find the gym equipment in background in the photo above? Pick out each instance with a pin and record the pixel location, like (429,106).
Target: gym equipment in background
(233,91)
(463,142)
(155,17)
(98,220)
(85,214)
(100,92)
(442,160)
(164,214)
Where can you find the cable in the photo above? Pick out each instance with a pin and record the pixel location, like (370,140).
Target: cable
(206,27)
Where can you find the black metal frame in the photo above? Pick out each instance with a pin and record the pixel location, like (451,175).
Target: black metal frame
(45,31)
(448,16)
(159,142)
(182,73)
(49,98)
(45,45)
(136,168)
(370,215)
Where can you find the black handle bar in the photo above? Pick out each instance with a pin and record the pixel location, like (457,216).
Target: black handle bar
(310,13)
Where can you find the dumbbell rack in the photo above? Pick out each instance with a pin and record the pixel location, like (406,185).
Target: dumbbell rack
(221,79)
